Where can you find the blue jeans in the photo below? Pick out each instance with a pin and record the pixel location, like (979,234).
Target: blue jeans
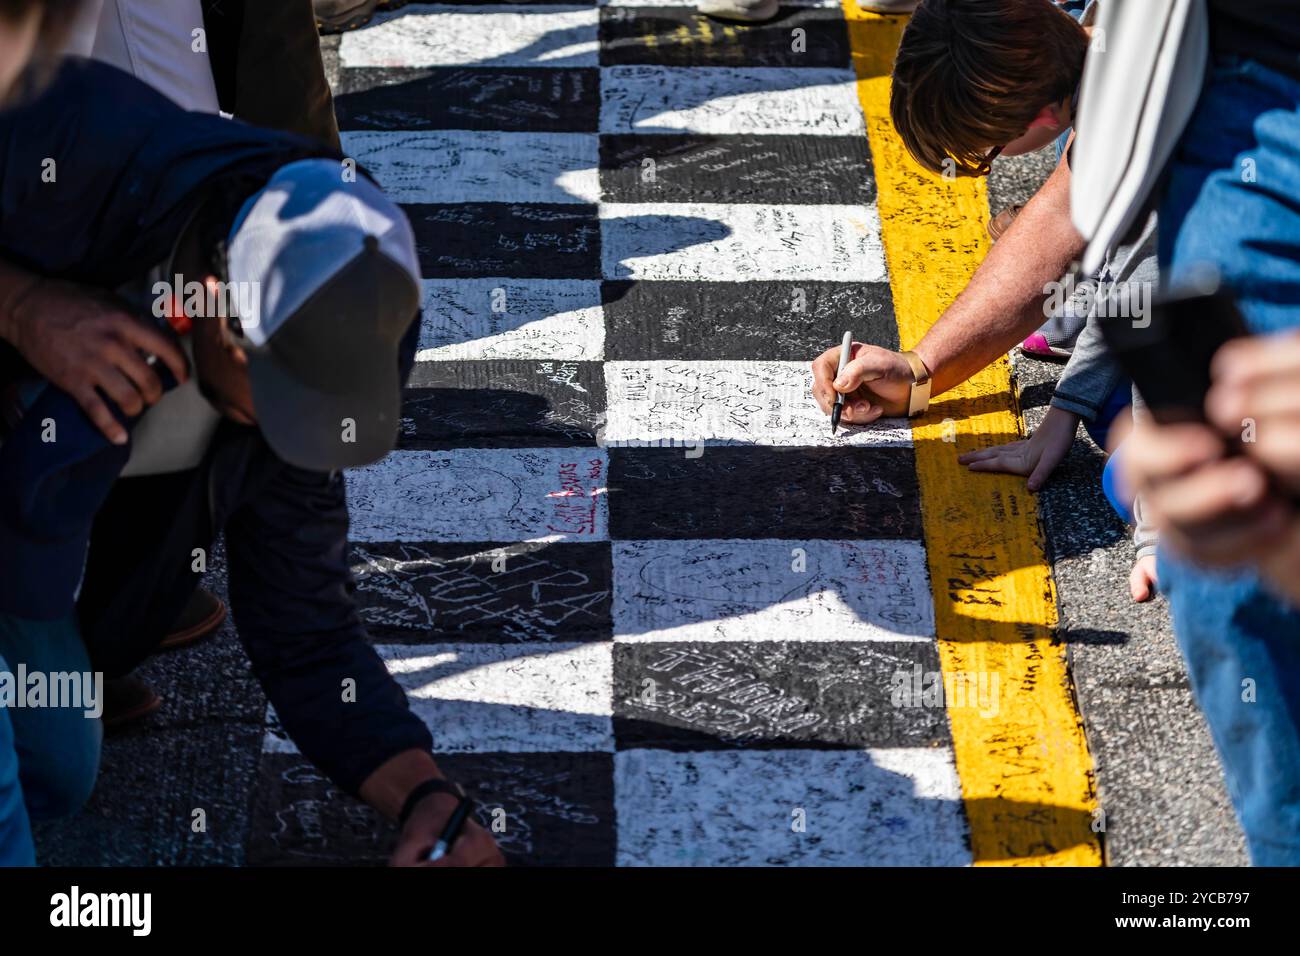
(48,755)
(1233,200)
(15,833)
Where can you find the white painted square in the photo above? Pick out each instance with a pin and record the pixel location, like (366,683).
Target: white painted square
(454,35)
(500,698)
(769,590)
(722,100)
(559,319)
(509,698)
(481,494)
(739,808)
(736,242)
(719,403)
(455,166)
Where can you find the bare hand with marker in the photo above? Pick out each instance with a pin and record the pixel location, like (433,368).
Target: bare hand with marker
(875,382)
(474,846)
(410,789)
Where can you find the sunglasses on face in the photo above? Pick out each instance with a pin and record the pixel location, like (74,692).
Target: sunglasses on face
(986,166)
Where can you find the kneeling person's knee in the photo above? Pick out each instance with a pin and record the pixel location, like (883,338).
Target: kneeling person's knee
(58,777)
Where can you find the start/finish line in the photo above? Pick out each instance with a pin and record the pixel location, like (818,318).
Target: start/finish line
(651,612)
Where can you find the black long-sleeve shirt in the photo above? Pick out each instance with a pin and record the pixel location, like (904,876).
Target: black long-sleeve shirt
(129,167)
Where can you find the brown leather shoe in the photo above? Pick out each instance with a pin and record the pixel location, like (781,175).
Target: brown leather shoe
(1002,221)
(201,618)
(337,16)
(126,700)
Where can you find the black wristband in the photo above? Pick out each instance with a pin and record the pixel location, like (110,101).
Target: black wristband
(423,790)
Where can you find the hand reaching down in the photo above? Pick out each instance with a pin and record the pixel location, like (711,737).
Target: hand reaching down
(1142,581)
(1036,456)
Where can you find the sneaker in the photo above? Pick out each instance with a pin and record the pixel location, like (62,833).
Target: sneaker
(201,618)
(1037,346)
(1002,221)
(336,16)
(745,11)
(893,7)
(1054,341)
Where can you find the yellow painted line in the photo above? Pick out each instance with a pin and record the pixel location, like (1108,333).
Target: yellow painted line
(1026,775)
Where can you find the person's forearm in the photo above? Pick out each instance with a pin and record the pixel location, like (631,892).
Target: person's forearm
(15,284)
(1003,302)
(1091,374)
(388,787)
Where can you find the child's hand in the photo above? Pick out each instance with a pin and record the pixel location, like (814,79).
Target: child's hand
(1036,456)
(1142,582)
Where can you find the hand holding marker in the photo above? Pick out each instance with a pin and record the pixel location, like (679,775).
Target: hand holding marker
(846,349)
(451,831)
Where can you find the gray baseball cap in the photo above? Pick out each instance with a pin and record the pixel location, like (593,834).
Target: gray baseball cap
(328,265)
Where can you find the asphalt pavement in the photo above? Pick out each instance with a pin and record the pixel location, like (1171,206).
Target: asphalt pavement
(202,781)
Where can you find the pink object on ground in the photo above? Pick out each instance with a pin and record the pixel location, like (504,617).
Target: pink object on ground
(1038,346)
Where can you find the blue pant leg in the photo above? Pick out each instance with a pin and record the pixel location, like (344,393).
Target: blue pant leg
(15,832)
(1118,496)
(1119,400)
(1233,202)
(1243,655)
(57,747)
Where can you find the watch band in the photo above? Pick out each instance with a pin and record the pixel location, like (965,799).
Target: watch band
(423,790)
(918,399)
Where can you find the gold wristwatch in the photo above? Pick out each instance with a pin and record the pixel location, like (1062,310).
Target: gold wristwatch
(919,398)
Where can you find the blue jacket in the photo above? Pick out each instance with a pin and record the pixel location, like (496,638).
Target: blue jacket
(129,168)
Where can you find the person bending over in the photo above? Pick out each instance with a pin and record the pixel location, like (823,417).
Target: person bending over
(298,378)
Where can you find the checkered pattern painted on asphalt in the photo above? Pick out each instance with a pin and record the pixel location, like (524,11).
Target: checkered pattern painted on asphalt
(648,607)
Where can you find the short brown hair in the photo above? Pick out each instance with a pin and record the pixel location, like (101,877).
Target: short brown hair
(972,74)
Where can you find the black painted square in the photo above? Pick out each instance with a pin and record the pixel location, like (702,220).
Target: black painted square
(687,695)
(529,99)
(780,320)
(764,492)
(519,240)
(554,809)
(681,36)
(833,170)
(440,592)
(502,404)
